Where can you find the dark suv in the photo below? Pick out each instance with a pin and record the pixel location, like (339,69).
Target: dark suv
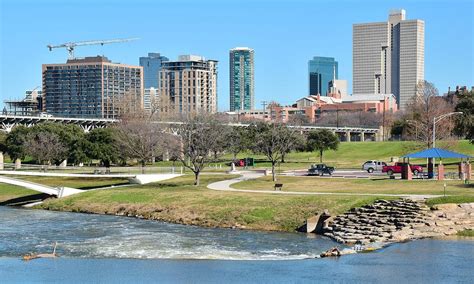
(320,170)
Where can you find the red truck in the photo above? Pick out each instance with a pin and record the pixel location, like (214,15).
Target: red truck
(397,168)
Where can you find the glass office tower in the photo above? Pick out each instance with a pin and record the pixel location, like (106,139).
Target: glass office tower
(241,78)
(151,68)
(321,70)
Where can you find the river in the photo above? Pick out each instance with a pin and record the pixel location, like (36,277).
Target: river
(97,248)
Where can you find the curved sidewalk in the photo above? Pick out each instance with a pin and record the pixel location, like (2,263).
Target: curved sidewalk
(226,186)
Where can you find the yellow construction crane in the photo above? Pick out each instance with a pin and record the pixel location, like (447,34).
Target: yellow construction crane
(70,46)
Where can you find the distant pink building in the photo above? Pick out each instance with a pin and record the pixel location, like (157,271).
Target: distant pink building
(314,106)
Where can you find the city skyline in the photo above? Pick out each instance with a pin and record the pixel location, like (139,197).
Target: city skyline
(280,78)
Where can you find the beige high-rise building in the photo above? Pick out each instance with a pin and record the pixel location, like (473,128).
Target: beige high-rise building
(92,87)
(388,57)
(188,86)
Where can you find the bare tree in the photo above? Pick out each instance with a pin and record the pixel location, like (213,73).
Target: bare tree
(195,141)
(272,141)
(45,147)
(295,140)
(424,107)
(237,140)
(140,138)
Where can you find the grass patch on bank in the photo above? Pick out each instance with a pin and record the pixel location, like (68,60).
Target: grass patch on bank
(74,182)
(450,199)
(466,233)
(178,201)
(382,185)
(8,192)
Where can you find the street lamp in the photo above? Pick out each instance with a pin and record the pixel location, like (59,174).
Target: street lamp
(437,119)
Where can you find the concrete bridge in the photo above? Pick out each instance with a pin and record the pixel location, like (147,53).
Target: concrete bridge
(56,191)
(66,191)
(345,133)
(8,122)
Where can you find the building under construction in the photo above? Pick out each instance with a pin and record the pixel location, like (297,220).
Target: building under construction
(31,105)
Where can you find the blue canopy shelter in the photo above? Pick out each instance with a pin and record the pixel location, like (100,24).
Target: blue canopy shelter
(438,153)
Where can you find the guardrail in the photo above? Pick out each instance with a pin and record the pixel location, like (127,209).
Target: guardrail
(97,170)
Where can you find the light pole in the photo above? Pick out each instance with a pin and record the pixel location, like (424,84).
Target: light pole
(436,119)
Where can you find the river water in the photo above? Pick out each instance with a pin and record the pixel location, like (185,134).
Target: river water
(97,249)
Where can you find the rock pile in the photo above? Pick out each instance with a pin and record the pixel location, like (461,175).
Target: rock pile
(397,220)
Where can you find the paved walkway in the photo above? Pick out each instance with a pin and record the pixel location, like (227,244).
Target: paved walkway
(226,186)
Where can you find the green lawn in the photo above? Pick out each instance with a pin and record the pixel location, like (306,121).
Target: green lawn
(74,182)
(178,201)
(451,199)
(349,155)
(382,185)
(466,233)
(8,192)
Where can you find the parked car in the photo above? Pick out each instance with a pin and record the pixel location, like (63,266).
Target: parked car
(371,166)
(247,162)
(320,170)
(45,114)
(397,168)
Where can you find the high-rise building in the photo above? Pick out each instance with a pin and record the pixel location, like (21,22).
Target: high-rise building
(388,57)
(150,99)
(321,71)
(92,87)
(188,86)
(241,78)
(151,68)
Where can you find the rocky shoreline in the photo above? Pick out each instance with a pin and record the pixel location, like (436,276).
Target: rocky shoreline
(388,221)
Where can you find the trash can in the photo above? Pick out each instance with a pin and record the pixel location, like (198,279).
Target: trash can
(249,162)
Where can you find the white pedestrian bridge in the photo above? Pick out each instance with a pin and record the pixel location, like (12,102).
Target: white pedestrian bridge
(66,191)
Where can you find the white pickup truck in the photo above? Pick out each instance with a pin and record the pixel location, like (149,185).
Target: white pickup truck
(371,166)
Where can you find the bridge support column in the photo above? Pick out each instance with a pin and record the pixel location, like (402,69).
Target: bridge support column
(348,136)
(17,164)
(362,136)
(1,161)
(63,164)
(166,156)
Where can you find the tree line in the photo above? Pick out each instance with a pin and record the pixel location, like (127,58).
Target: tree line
(416,123)
(196,142)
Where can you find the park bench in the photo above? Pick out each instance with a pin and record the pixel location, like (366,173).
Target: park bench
(278,186)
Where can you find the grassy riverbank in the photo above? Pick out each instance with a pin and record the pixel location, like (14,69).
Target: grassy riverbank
(466,233)
(177,201)
(10,192)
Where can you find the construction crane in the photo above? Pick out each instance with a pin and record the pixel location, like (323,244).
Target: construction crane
(70,46)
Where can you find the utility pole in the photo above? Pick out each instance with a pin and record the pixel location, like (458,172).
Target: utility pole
(264,104)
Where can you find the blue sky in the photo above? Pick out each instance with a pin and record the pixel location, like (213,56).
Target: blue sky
(284,34)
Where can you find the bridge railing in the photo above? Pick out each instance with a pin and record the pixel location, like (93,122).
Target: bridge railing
(96,170)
